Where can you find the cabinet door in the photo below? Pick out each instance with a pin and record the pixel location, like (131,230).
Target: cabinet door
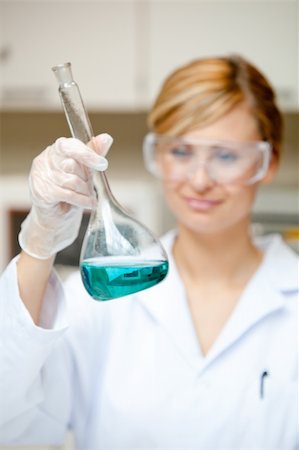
(98,38)
(266,32)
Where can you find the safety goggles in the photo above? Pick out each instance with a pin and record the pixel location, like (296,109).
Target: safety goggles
(178,159)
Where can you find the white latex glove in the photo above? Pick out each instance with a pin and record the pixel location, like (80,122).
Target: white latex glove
(60,184)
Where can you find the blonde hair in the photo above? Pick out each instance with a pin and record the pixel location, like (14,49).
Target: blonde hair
(204,90)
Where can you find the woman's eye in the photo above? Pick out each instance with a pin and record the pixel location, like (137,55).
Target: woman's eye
(179,152)
(226,156)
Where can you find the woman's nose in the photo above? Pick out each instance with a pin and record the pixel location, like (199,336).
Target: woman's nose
(200,179)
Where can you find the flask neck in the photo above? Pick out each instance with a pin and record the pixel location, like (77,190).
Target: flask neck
(104,194)
(63,73)
(101,186)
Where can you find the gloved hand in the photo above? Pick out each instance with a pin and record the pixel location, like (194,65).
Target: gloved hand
(60,184)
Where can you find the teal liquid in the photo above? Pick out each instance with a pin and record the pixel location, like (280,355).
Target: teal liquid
(108,280)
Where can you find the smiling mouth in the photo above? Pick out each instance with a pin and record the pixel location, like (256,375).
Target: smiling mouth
(202,204)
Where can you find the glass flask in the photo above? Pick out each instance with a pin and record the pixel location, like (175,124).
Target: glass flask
(119,255)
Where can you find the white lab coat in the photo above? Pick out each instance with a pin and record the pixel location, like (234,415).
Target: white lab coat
(129,373)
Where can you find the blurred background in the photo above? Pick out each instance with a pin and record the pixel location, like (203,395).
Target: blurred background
(121,50)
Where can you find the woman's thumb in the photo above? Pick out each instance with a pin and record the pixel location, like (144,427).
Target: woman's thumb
(102,143)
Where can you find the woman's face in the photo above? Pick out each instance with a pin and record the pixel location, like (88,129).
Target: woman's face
(207,206)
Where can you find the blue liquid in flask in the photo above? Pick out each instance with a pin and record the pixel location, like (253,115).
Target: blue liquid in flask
(106,280)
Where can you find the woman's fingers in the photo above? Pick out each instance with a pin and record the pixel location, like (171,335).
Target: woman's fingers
(102,143)
(83,154)
(62,172)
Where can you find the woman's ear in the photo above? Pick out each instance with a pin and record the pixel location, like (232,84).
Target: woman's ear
(271,172)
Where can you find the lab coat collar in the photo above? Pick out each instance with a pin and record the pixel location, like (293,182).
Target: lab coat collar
(280,263)
(166,303)
(266,293)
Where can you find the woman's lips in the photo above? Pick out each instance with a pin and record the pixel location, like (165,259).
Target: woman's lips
(202,204)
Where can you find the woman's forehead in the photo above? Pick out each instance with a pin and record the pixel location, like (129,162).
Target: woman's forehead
(239,124)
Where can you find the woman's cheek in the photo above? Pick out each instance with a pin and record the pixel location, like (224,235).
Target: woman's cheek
(236,206)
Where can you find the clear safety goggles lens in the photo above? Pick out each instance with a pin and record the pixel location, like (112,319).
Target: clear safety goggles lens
(179,159)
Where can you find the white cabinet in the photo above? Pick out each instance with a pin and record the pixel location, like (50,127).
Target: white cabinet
(121,50)
(266,32)
(98,38)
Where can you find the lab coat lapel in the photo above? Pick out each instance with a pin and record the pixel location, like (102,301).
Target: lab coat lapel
(258,301)
(265,294)
(166,303)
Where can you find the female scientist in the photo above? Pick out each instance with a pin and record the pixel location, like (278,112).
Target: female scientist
(204,360)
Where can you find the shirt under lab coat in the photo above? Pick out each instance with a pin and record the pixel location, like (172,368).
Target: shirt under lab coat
(129,373)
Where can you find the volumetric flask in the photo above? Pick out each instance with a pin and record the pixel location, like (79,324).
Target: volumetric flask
(119,255)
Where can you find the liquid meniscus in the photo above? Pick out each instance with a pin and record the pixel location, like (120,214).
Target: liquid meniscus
(109,280)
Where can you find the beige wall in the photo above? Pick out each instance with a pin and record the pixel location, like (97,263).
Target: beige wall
(24,135)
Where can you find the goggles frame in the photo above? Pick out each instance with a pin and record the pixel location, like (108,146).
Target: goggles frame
(151,139)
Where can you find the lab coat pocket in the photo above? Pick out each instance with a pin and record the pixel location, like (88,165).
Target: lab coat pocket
(270,414)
